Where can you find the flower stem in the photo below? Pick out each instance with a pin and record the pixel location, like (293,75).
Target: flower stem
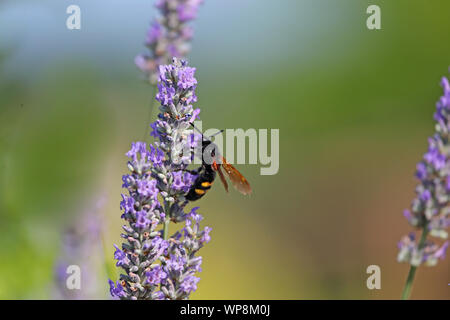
(412,271)
(166,229)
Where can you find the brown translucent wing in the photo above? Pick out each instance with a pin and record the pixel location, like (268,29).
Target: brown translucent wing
(237,179)
(222,178)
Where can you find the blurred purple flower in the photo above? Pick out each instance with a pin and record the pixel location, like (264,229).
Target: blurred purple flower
(154,33)
(168,37)
(430,209)
(187,10)
(81,246)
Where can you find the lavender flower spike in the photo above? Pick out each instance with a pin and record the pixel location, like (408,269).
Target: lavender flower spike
(168,36)
(82,247)
(430,209)
(155,265)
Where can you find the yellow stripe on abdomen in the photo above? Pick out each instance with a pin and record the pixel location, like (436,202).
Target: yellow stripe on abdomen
(199,191)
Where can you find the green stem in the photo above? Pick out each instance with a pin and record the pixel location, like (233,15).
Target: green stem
(166,229)
(412,271)
(166,220)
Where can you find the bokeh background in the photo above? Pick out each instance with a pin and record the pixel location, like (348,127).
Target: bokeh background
(354,108)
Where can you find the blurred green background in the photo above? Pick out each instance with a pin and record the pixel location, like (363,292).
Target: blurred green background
(354,108)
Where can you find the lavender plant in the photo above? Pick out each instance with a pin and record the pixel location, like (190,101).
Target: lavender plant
(156,265)
(430,209)
(82,246)
(168,36)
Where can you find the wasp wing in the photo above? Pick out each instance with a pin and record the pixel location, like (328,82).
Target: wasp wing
(237,179)
(222,178)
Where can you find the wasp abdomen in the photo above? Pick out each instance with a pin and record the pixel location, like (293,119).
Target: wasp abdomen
(201,185)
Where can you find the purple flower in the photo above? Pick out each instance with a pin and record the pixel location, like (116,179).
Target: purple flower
(155,132)
(186,79)
(147,188)
(160,4)
(425,195)
(142,221)
(165,74)
(127,204)
(156,156)
(206,237)
(145,64)
(173,50)
(182,181)
(434,157)
(407,214)
(156,275)
(446,86)
(175,263)
(154,33)
(196,263)
(187,10)
(158,246)
(441,252)
(189,284)
(194,115)
(158,295)
(81,245)
(116,291)
(138,151)
(195,215)
(165,94)
(125,178)
(121,257)
(187,32)
(194,141)
(178,181)
(421,172)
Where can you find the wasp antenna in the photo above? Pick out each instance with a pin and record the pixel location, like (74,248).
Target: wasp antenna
(193,126)
(215,134)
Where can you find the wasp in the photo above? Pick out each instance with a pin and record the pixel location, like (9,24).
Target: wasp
(212,163)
